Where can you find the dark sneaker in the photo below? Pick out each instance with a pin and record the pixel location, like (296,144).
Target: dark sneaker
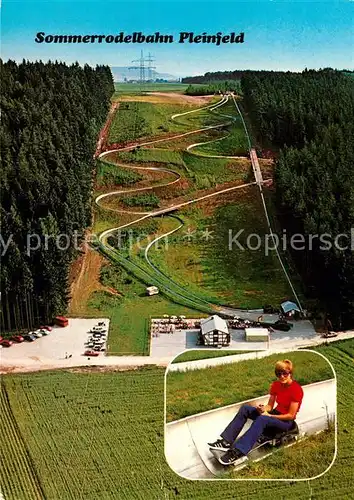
(232,456)
(262,439)
(220,444)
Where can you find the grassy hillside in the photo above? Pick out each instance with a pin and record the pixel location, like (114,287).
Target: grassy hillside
(206,263)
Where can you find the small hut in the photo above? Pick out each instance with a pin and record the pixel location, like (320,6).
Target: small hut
(214,331)
(290,309)
(257,335)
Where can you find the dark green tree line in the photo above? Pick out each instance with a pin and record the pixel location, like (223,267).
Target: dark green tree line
(214,87)
(310,117)
(51,115)
(215,76)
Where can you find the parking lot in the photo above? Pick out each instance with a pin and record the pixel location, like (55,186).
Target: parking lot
(62,344)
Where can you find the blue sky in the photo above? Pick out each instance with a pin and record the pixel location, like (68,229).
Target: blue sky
(284,35)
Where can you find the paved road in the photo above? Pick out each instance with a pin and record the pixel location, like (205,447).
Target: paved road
(48,353)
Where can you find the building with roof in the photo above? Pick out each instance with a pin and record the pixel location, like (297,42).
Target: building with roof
(214,331)
(290,309)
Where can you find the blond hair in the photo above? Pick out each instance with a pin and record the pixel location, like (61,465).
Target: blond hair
(285,364)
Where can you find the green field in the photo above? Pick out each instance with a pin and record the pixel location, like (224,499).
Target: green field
(134,120)
(137,88)
(235,144)
(108,174)
(202,172)
(82,434)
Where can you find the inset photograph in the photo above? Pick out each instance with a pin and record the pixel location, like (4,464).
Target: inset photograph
(250,416)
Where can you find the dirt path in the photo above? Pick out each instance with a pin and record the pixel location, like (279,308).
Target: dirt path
(168,98)
(87,282)
(102,139)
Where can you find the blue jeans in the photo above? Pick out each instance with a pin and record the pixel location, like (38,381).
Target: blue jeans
(260,423)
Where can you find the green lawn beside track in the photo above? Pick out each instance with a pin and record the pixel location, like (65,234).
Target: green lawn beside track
(188,394)
(130,311)
(194,355)
(101,435)
(109,174)
(243,277)
(144,155)
(202,172)
(233,144)
(303,460)
(134,120)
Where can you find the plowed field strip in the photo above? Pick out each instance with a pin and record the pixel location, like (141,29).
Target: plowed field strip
(18,476)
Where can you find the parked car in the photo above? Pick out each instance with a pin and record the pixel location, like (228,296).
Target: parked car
(6,343)
(36,333)
(46,327)
(43,332)
(17,338)
(91,353)
(29,337)
(281,325)
(328,335)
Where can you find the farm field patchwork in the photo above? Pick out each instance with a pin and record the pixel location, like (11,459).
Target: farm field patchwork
(100,435)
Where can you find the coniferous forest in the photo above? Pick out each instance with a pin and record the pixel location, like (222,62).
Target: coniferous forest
(310,117)
(51,115)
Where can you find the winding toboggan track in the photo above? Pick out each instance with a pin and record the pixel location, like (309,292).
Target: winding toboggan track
(157,277)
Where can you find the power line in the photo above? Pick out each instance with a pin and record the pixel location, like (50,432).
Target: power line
(143,68)
(150,68)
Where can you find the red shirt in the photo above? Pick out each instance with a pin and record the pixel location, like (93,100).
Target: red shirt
(286,394)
